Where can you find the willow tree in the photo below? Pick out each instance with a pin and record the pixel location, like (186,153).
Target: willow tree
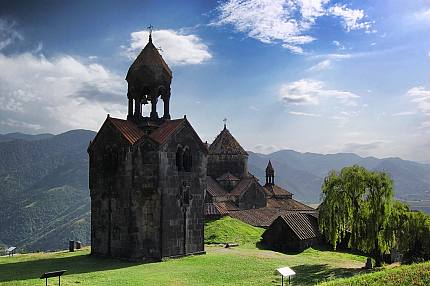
(357,201)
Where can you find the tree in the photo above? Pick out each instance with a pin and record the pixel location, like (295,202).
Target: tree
(357,201)
(413,237)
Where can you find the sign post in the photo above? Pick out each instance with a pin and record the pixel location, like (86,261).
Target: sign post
(11,250)
(47,275)
(286,271)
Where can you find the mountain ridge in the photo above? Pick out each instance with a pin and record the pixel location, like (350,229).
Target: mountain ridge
(44,184)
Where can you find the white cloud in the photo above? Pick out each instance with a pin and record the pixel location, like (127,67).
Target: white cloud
(339,45)
(298,113)
(404,113)
(353,19)
(421,96)
(285,21)
(323,65)
(8,34)
(310,92)
(57,94)
(14,124)
(423,15)
(266,149)
(366,148)
(176,48)
(268,21)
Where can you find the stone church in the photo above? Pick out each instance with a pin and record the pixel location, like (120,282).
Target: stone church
(147,174)
(232,190)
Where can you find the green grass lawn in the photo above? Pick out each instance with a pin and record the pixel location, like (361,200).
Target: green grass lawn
(227,230)
(220,266)
(243,265)
(405,275)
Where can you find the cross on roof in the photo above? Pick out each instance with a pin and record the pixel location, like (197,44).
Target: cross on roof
(150,28)
(225,123)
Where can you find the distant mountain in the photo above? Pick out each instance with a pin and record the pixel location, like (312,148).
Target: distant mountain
(303,173)
(44,190)
(44,184)
(26,137)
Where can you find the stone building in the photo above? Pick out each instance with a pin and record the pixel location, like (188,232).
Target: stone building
(229,184)
(147,174)
(233,191)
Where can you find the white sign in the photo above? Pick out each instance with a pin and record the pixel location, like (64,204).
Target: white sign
(10,249)
(286,271)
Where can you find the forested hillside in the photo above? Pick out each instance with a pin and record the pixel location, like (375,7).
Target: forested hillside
(44,190)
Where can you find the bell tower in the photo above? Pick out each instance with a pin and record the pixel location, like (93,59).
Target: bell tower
(148,78)
(270,174)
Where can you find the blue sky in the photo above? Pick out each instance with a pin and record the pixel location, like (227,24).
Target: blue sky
(310,75)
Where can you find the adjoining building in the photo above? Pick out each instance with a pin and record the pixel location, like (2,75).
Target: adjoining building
(292,231)
(147,174)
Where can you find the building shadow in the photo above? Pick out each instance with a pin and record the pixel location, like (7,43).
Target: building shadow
(311,274)
(23,270)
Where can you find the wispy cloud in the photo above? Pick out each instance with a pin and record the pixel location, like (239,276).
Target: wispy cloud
(285,21)
(8,33)
(404,113)
(423,15)
(339,45)
(365,148)
(421,97)
(323,65)
(266,149)
(176,48)
(310,92)
(298,113)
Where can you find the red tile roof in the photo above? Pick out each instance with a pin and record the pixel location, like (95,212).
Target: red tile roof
(227,177)
(288,204)
(275,190)
(244,185)
(261,217)
(214,189)
(166,129)
(217,209)
(229,205)
(128,129)
(303,225)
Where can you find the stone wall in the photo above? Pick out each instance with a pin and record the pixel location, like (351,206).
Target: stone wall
(183,219)
(220,164)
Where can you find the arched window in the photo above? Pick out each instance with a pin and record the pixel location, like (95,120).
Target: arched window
(179,154)
(188,160)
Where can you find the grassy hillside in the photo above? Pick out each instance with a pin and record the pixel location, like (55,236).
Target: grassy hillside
(230,230)
(407,275)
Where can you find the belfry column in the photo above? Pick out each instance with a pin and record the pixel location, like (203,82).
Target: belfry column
(166,101)
(130,108)
(137,107)
(154,114)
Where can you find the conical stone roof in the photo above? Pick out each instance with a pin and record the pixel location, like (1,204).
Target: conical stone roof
(149,61)
(226,144)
